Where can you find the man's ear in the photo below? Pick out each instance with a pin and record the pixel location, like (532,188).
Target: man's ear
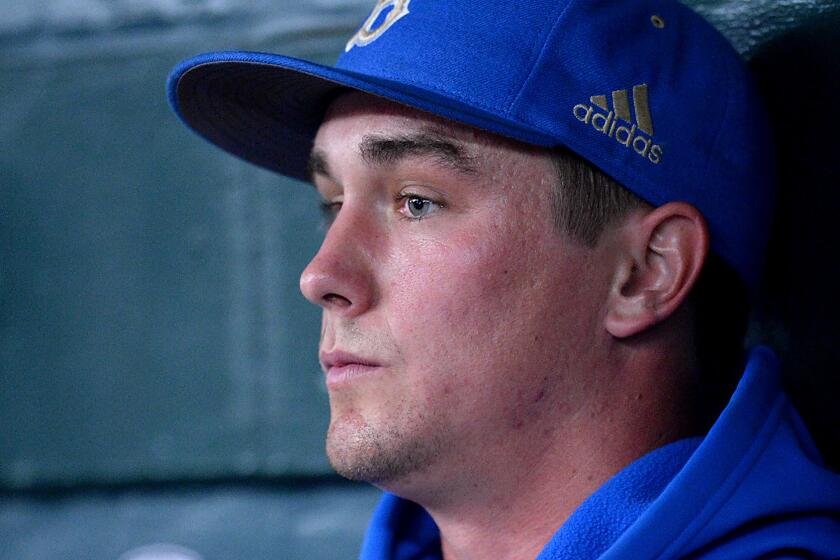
(660,256)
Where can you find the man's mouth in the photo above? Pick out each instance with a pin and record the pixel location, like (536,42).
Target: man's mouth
(343,367)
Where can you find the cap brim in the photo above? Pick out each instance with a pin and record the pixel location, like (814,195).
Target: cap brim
(266,108)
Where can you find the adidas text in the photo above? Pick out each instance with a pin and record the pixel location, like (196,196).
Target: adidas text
(629,136)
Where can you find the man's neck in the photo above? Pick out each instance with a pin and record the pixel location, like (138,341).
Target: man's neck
(508,505)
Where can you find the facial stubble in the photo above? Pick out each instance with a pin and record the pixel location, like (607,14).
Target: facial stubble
(385,451)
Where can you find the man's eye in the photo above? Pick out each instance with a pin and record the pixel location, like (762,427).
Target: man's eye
(417,207)
(329,210)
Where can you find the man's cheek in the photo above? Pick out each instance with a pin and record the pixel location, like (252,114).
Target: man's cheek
(441,289)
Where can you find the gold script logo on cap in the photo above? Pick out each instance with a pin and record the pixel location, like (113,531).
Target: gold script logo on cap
(367,33)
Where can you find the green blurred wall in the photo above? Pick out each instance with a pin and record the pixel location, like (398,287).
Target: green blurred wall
(151,323)
(158,371)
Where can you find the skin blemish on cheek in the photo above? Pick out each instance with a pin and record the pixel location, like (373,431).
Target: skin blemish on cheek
(539,396)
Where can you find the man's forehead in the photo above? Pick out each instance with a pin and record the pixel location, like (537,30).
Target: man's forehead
(407,130)
(360,105)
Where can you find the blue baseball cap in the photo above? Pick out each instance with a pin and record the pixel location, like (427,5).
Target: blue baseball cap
(646,90)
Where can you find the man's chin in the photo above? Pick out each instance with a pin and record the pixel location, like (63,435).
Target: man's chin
(358,451)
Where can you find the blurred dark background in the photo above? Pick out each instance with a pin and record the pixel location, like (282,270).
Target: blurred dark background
(158,371)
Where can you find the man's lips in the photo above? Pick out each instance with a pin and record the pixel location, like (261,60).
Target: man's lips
(343,367)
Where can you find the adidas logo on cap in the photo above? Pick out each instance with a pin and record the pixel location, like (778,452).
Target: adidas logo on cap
(637,135)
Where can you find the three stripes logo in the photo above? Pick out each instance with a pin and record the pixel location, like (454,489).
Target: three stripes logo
(636,135)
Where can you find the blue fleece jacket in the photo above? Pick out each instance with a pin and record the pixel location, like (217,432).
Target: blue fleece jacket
(754,487)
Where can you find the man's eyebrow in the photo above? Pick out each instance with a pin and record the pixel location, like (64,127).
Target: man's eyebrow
(317,165)
(442,150)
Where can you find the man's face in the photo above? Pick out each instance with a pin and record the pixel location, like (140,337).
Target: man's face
(456,318)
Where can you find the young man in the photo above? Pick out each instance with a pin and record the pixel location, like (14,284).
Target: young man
(514,340)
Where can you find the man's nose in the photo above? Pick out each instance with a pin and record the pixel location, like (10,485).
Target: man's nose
(340,277)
